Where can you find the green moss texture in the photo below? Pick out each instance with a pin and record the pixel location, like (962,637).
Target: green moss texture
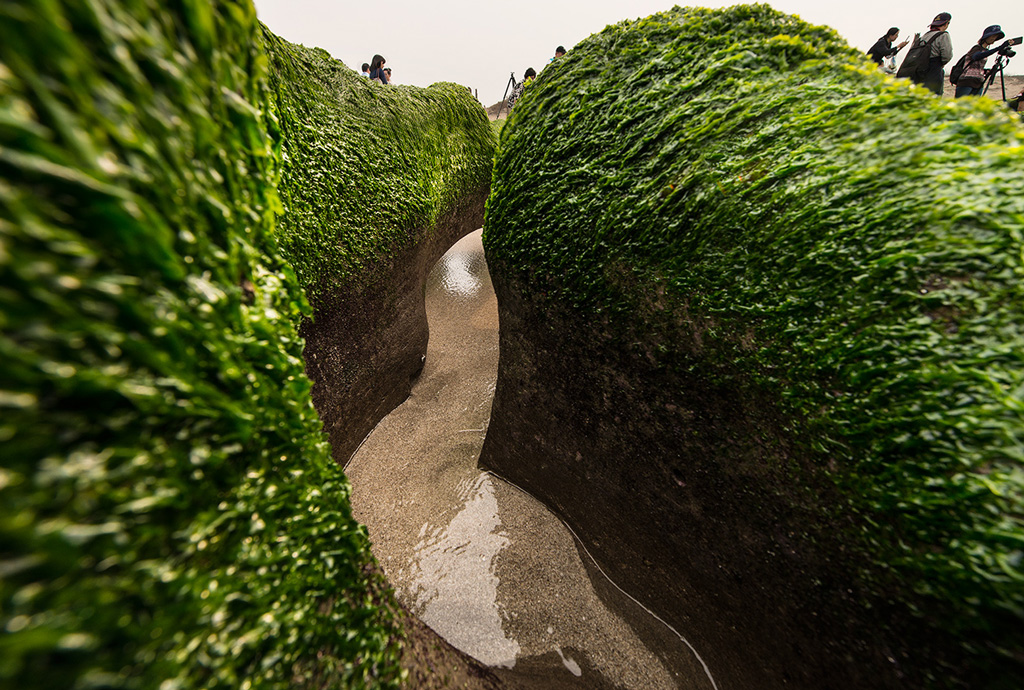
(364,164)
(171,516)
(751,188)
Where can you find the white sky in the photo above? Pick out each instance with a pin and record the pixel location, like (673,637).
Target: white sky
(479,43)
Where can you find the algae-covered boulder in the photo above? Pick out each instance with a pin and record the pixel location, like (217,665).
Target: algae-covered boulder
(170,514)
(378,182)
(762,340)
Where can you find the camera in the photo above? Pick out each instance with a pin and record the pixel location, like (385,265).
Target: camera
(1005,50)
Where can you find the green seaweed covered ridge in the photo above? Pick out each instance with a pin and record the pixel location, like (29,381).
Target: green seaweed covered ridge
(755,196)
(364,164)
(171,515)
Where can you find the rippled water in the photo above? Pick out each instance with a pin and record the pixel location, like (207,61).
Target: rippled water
(459,273)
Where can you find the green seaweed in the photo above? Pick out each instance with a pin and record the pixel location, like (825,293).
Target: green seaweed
(172,179)
(365,164)
(847,242)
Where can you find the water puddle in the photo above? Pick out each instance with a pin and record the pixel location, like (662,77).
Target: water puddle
(459,272)
(452,581)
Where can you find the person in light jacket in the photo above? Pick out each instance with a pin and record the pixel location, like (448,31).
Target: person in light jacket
(941,52)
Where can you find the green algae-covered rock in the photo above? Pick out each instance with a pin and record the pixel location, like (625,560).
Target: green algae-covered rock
(171,516)
(366,166)
(769,302)
(377,183)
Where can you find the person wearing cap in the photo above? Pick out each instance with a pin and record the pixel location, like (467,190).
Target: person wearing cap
(941,52)
(972,79)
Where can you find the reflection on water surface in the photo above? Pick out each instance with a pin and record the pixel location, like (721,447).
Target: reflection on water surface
(458,274)
(452,576)
(461,273)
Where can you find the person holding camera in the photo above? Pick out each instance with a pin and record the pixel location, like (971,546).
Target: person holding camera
(517,92)
(883,47)
(972,79)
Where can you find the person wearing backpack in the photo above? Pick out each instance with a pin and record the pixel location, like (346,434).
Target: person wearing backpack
(968,75)
(930,53)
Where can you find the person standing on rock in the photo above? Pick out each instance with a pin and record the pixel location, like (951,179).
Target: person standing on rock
(941,52)
(517,92)
(883,47)
(377,70)
(972,79)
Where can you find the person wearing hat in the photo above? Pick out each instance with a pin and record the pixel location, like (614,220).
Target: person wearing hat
(941,52)
(972,79)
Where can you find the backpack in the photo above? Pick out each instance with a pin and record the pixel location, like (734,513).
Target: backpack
(958,69)
(915,65)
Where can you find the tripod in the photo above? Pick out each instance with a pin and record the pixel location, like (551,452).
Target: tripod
(997,68)
(511,85)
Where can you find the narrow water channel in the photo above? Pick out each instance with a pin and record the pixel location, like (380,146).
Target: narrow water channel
(483,564)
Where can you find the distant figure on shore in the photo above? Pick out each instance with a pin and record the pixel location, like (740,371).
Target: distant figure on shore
(366,70)
(377,70)
(559,52)
(883,47)
(517,92)
(972,79)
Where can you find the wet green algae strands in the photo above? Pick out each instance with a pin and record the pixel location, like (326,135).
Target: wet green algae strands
(171,516)
(845,242)
(407,155)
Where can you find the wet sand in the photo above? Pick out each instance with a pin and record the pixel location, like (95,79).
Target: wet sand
(483,564)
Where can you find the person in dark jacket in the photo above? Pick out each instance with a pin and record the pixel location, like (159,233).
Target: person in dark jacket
(883,47)
(972,79)
(377,70)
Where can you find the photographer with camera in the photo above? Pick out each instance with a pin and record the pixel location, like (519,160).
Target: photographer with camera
(971,80)
(884,49)
(1004,53)
(517,92)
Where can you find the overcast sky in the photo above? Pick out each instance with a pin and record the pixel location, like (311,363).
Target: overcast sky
(479,43)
